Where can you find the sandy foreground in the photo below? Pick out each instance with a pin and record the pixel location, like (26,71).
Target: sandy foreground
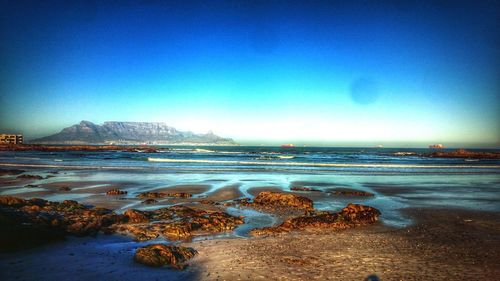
(441,244)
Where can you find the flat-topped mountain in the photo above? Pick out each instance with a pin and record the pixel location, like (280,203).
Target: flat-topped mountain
(129,133)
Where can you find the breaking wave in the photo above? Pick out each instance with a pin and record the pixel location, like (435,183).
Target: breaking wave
(305,164)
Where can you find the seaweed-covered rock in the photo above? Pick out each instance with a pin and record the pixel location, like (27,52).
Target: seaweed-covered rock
(12,201)
(360,214)
(115,191)
(136,216)
(268,198)
(304,188)
(164,195)
(176,222)
(151,195)
(352,215)
(158,255)
(51,218)
(349,192)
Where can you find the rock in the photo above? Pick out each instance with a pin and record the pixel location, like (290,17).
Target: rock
(136,216)
(180,195)
(149,201)
(360,214)
(303,188)
(64,188)
(49,220)
(115,191)
(158,255)
(283,199)
(12,201)
(176,222)
(164,195)
(352,215)
(151,195)
(30,177)
(38,202)
(349,192)
(462,153)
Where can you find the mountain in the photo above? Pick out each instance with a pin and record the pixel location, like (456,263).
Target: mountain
(129,133)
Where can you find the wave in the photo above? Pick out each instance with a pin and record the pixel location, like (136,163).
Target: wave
(359,165)
(26,158)
(286,156)
(192,150)
(203,150)
(404,153)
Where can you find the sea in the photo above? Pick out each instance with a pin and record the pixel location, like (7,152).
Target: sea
(399,177)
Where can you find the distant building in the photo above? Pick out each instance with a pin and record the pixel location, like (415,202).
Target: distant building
(11,139)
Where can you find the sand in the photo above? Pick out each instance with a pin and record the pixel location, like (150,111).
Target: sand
(230,192)
(444,244)
(187,188)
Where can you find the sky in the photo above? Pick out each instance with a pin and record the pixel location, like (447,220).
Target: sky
(400,73)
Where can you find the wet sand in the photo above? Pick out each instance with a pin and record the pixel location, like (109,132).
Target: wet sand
(230,192)
(187,188)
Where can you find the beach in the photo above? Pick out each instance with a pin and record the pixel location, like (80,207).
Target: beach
(438,222)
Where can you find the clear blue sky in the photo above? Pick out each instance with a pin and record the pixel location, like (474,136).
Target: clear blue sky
(312,72)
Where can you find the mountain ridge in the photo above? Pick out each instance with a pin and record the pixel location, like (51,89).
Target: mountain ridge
(118,132)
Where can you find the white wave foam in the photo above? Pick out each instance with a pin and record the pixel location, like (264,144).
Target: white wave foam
(360,165)
(286,156)
(203,150)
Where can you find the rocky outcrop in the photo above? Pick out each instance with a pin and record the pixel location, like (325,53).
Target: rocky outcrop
(268,198)
(462,153)
(303,188)
(176,222)
(360,214)
(350,216)
(37,221)
(136,216)
(164,195)
(158,255)
(12,201)
(30,177)
(349,192)
(115,191)
(69,217)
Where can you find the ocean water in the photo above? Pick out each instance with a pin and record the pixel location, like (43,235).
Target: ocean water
(260,159)
(399,178)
